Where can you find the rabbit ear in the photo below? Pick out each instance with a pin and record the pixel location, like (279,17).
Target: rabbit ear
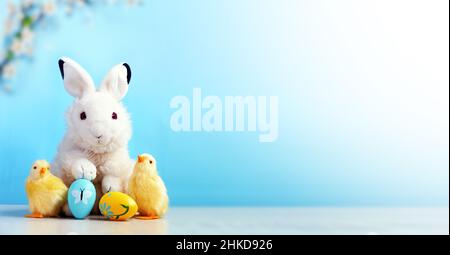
(77,81)
(117,80)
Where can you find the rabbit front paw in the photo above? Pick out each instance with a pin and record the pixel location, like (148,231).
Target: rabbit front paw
(83,168)
(111,183)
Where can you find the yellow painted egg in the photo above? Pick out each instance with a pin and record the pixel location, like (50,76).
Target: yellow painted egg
(117,206)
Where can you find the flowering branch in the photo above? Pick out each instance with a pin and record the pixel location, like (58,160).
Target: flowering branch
(23,20)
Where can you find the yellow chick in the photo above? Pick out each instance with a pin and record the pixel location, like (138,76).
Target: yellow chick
(148,189)
(46,193)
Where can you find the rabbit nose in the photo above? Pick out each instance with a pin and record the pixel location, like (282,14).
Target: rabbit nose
(97,130)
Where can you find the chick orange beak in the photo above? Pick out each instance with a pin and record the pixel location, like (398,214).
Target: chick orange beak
(43,170)
(141,158)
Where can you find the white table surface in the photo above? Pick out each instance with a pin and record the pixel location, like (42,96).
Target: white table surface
(242,220)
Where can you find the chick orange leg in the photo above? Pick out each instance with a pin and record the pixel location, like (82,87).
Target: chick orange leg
(34,215)
(149,217)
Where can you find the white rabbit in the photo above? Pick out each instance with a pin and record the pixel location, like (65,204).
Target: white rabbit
(95,146)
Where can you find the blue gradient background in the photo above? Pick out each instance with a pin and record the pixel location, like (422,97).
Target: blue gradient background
(363,88)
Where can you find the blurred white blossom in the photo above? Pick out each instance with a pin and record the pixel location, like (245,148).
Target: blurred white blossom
(9,70)
(16,46)
(49,7)
(68,10)
(8,27)
(7,88)
(19,15)
(134,2)
(80,2)
(12,8)
(27,35)
(28,50)
(27,3)
(23,18)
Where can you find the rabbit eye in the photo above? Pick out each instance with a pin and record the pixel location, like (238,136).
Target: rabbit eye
(114,116)
(83,115)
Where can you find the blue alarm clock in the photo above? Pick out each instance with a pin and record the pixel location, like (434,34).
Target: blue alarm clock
(81,198)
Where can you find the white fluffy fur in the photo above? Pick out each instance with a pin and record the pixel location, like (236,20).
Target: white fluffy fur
(95,148)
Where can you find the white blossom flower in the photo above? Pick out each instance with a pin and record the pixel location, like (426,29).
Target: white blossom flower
(8,27)
(35,16)
(22,45)
(19,15)
(49,7)
(11,8)
(80,2)
(132,2)
(68,10)
(28,50)
(7,88)
(17,46)
(9,70)
(27,35)
(27,3)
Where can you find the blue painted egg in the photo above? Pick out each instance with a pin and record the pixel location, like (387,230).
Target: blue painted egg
(81,198)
